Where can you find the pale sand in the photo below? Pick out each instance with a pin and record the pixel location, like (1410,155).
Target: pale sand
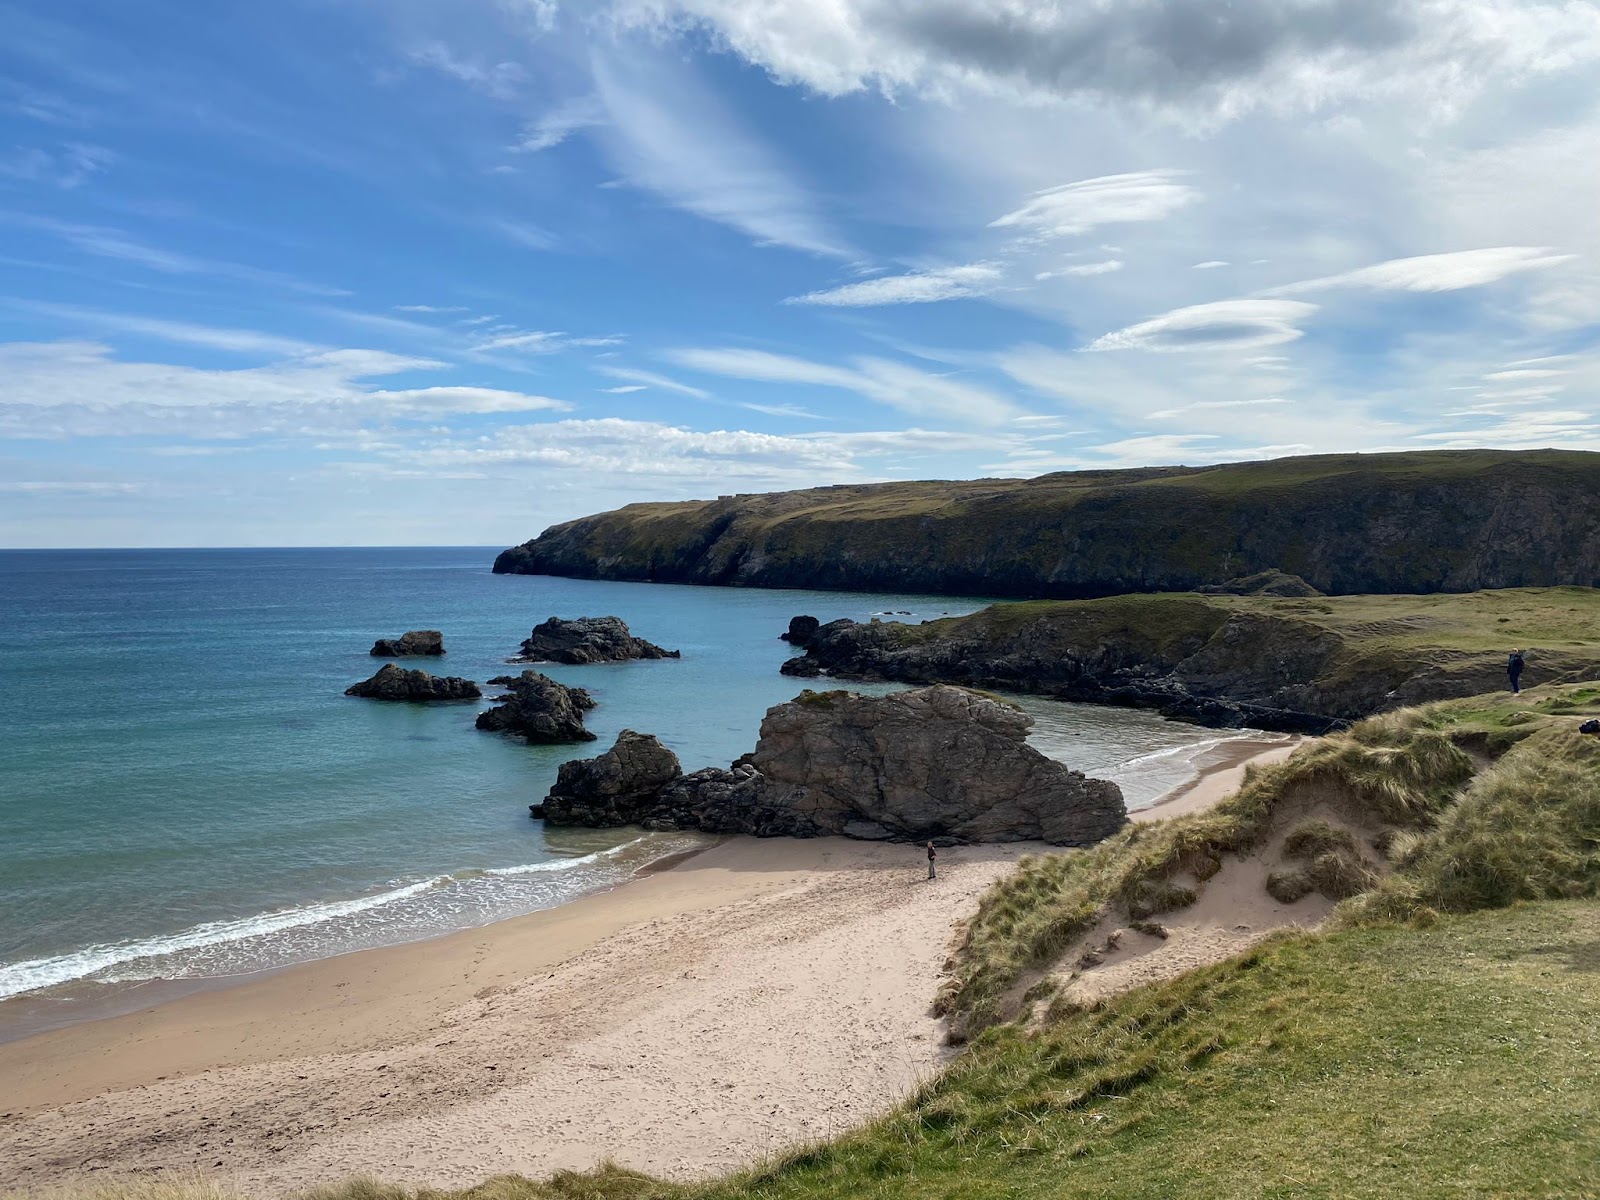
(759,994)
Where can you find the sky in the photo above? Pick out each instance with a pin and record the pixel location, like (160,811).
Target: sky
(402,272)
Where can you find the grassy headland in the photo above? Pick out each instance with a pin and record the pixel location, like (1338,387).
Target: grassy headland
(1420,522)
(1247,657)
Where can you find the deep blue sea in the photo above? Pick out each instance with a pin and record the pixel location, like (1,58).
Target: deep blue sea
(186,793)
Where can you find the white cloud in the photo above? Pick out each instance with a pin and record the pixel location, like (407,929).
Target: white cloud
(242,341)
(64,389)
(1223,324)
(1205,405)
(625,389)
(1211,264)
(429,308)
(919,287)
(500,80)
(68,487)
(882,380)
(560,123)
(1183,58)
(651,379)
(544,342)
(1079,207)
(1436,272)
(668,134)
(1083,270)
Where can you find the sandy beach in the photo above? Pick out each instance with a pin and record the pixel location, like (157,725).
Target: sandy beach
(757,994)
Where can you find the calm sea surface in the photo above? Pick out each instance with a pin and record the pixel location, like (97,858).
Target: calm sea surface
(185,792)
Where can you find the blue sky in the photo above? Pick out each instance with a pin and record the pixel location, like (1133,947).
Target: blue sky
(360,272)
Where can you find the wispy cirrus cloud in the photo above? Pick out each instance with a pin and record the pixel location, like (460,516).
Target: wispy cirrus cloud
(668,134)
(919,287)
(1436,272)
(881,380)
(638,380)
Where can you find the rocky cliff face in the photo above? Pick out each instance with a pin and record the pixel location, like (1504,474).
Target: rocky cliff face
(938,762)
(586,640)
(397,683)
(538,709)
(1423,522)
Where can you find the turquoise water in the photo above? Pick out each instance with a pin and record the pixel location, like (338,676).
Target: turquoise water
(185,792)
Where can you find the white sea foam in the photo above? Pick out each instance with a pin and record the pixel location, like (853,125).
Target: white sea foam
(218,948)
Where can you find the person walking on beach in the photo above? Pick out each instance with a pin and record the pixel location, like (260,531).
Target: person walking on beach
(932,854)
(1514,666)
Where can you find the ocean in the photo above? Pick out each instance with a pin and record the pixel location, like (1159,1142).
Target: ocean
(187,795)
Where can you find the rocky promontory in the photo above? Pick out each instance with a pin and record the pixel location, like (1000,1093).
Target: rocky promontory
(1297,664)
(933,763)
(586,640)
(397,683)
(1430,521)
(414,642)
(539,709)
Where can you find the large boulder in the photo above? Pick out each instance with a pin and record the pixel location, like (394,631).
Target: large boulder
(940,763)
(801,630)
(586,640)
(933,762)
(618,787)
(397,683)
(412,642)
(539,709)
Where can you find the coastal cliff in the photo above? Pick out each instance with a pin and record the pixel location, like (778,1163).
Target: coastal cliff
(1439,521)
(1304,665)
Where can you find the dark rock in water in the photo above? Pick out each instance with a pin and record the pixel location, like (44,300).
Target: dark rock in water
(618,787)
(539,709)
(413,642)
(801,630)
(1262,583)
(586,640)
(935,763)
(397,683)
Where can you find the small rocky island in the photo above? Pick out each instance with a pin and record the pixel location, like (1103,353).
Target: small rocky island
(412,643)
(586,640)
(397,683)
(934,763)
(538,709)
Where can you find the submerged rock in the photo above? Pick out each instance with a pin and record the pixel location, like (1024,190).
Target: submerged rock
(934,763)
(801,631)
(397,683)
(538,709)
(618,787)
(412,642)
(586,640)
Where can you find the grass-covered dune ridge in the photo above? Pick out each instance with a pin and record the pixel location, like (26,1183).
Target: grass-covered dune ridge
(1235,659)
(1459,806)
(1449,520)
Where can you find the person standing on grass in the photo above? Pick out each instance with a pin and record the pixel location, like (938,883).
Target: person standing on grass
(932,854)
(1514,666)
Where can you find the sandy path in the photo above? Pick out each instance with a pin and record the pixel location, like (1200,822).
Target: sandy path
(691,1037)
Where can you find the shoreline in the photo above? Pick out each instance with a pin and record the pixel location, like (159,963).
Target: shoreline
(748,996)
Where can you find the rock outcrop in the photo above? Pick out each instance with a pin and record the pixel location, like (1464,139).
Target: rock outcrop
(934,763)
(586,640)
(397,683)
(1433,521)
(801,630)
(1296,665)
(415,642)
(618,787)
(539,709)
(1263,583)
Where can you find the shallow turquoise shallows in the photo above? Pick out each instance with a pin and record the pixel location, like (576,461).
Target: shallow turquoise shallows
(185,792)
